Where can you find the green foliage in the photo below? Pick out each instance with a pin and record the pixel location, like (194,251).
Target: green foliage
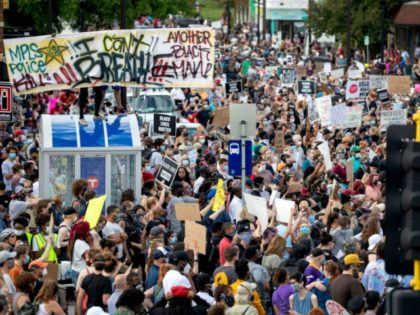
(330,17)
(101,13)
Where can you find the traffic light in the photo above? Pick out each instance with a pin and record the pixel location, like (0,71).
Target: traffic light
(396,261)
(410,201)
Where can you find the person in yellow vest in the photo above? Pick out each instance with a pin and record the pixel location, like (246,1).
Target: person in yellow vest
(40,240)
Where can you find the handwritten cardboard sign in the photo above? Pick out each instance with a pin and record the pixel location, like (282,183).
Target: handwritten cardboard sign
(393,117)
(141,57)
(279,141)
(323,105)
(378,82)
(195,237)
(187,211)
(399,84)
(283,209)
(349,171)
(221,117)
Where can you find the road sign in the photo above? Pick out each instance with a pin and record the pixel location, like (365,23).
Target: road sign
(6,101)
(242,112)
(235,157)
(167,172)
(366,40)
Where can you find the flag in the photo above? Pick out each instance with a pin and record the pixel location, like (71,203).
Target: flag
(220,197)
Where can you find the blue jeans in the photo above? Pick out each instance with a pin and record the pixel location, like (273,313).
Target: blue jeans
(74,275)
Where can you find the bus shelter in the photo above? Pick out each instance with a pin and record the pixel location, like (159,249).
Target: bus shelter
(105,153)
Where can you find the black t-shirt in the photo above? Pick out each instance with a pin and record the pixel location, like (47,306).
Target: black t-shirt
(203,117)
(4,201)
(95,287)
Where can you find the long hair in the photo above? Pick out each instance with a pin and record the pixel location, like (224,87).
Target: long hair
(276,246)
(48,291)
(79,231)
(371,227)
(164,268)
(153,246)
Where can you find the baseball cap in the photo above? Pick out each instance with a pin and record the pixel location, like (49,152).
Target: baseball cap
(178,256)
(156,230)
(6,233)
(373,241)
(39,264)
(69,211)
(316,252)
(160,252)
(352,259)
(5,255)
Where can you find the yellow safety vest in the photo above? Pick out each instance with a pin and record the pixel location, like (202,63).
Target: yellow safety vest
(29,238)
(40,241)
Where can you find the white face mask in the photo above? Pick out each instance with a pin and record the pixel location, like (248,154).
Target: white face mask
(187,269)
(47,229)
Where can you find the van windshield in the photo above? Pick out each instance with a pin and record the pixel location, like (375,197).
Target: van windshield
(153,104)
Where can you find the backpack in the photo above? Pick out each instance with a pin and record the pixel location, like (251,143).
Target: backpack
(28,309)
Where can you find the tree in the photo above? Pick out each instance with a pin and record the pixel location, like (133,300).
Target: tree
(100,13)
(329,17)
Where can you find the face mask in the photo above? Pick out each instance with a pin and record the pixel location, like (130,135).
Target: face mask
(230,235)
(202,141)
(225,168)
(47,229)
(305,230)
(173,240)
(187,269)
(18,232)
(162,148)
(44,272)
(229,300)
(27,260)
(10,263)
(185,162)
(149,169)
(12,156)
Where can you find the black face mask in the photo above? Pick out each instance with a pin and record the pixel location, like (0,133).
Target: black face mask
(229,300)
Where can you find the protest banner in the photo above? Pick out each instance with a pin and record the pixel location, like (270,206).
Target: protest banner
(333,308)
(312,112)
(323,105)
(288,75)
(338,115)
(257,206)
(167,172)
(352,89)
(233,87)
(279,141)
(94,210)
(383,96)
(323,76)
(378,82)
(393,117)
(325,151)
(399,84)
(274,194)
(195,237)
(337,73)
(187,211)
(364,88)
(349,171)
(221,117)
(306,87)
(141,57)
(327,67)
(164,124)
(283,208)
(353,117)
(220,198)
(354,74)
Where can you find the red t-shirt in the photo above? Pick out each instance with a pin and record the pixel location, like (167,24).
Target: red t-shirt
(224,243)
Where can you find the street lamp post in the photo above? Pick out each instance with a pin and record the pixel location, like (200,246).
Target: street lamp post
(382,44)
(348,35)
(258,21)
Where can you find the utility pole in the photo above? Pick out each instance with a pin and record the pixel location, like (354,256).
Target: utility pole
(258,21)
(50,17)
(348,37)
(264,18)
(123,26)
(382,44)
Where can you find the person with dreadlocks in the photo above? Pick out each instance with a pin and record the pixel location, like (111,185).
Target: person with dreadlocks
(79,244)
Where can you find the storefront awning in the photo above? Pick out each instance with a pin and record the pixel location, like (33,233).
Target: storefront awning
(287,15)
(408,14)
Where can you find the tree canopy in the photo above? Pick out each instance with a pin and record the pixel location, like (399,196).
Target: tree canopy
(97,12)
(329,17)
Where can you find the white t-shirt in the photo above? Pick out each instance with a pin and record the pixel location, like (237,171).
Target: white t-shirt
(110,229)
(155,159)
(78,262)
(9,283)
(6,168)
(198,184)
(174,278)
(235,209)
(17,207)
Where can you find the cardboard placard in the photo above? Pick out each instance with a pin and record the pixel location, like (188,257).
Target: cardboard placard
(195,237)
(164,124)
(167,172)
(283,209)
(349,171)
(52,270)
(337,73)
(301,72)
(393,117)
(279,141)
(352,89)
(187,211)
(399,84)
(94,210)
(325,151)
(323,105)
(257,206)
(378,82)
(338,115)
(288,75)
(233,87)
(306,87)
(354,74)
(221,117)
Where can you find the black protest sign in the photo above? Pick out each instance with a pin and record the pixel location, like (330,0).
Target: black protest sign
(6,101)
(289,76)
(364,105)
(364,88)
(383,95)
(306,87)
(167,172)
(233,87)
(164,124)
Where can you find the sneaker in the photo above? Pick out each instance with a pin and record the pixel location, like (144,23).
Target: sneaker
(83,122)
(100,117)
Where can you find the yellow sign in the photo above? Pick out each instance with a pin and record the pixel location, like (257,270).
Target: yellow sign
(94,210)
(220,197)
